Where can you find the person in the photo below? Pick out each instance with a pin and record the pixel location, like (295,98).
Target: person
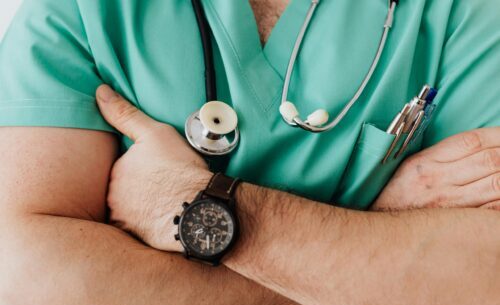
(57,249)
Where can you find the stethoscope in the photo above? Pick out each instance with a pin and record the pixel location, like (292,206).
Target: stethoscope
(213,130)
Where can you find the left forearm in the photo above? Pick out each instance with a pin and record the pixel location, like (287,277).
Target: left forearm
(309,252)
(317,254)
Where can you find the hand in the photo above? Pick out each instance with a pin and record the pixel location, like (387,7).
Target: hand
(158,173)
(461,171)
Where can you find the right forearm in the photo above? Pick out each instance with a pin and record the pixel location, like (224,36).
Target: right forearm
(420,257)
(55,260)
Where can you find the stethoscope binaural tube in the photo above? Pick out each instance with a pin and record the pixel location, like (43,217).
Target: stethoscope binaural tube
(207,130)
(208,53)
(318,121)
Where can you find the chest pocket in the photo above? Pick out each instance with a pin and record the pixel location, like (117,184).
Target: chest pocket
(366,176)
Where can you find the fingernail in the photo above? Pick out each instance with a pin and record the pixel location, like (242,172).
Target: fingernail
(106,94)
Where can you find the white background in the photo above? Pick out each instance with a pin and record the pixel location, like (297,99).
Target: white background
(7,10)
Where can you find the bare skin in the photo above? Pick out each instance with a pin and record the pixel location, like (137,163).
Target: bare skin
(267,14)
(462,171)
(56,250)
(432,257)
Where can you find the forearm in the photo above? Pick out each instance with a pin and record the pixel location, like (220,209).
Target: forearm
(318,254)
(56,260)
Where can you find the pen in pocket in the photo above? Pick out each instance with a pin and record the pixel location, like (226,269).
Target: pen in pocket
(409,120)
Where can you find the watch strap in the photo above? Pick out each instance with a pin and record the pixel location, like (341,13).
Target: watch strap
(222,187)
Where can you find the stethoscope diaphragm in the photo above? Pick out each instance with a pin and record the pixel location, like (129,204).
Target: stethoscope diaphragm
(209,130)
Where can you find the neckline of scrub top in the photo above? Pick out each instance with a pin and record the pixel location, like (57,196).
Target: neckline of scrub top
(235,29)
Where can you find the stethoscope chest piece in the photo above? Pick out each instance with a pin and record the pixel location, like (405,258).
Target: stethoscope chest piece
(209,130)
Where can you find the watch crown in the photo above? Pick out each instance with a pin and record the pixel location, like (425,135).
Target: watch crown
(177,237)
(177,219)
(185,205)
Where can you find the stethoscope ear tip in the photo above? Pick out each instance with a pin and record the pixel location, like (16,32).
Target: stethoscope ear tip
(318,118)
(288,111)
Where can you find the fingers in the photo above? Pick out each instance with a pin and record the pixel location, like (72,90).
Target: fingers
(472,168)
(122,115)
(492,206)
(481,192)
(464,144)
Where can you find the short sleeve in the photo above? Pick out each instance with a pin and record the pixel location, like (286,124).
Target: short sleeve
(469,71)
(47,73)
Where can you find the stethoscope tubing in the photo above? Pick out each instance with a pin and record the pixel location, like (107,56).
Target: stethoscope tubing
(208,53)
(297,121)
(195,129)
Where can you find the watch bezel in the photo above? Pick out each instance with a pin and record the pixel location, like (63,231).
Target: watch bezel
(189,252)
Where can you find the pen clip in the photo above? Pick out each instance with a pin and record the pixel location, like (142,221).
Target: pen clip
(414,128)
(399,133)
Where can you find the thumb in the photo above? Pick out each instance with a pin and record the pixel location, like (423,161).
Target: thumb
(122,115)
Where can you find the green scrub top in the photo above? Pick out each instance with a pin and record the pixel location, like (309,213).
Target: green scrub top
(57,53)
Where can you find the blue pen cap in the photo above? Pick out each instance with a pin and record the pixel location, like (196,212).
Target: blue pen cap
(431,95)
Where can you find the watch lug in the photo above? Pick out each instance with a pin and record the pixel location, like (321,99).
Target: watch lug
(185,205)
(177,219)
(215,263)
(177,237)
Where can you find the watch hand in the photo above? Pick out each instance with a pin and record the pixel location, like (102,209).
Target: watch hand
(208,242)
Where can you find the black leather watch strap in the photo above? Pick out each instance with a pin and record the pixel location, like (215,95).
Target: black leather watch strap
(222,187)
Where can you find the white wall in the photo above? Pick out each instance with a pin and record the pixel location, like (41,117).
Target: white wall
(7,10)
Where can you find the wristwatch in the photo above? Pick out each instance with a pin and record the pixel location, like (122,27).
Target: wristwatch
(208,227)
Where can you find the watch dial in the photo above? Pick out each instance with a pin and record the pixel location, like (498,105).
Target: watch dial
(207,228)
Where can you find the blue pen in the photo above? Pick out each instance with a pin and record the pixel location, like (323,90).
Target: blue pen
(422,106)
(410,118)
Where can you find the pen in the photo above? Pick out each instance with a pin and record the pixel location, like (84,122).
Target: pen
(409,120)
(398,120)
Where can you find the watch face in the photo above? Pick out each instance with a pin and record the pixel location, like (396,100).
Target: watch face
(207,228)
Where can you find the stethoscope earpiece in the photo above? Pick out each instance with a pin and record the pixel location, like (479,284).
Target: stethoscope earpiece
(292,116)
(318,121)
(318,118)
(208,129)
(289,113)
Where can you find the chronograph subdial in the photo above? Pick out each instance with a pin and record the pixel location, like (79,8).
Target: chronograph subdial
(199,232)
(216,235)
(209,217)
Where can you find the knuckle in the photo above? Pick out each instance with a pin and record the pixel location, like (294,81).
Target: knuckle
(125,112)
(471,140)
(159,130)
(496,183)
(163,128)
(492,159)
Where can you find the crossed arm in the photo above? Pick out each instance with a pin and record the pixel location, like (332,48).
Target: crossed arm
(54,250)
(344,257)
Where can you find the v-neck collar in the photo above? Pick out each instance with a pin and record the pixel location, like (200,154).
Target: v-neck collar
(279,46)
(235,30)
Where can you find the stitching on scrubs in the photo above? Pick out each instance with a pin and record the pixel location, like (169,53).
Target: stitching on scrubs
(45,107)
(88,105)
(238,60)
(276,98)
(57,100)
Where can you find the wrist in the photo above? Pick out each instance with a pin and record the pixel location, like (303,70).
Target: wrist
(251,206)
(160,232)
